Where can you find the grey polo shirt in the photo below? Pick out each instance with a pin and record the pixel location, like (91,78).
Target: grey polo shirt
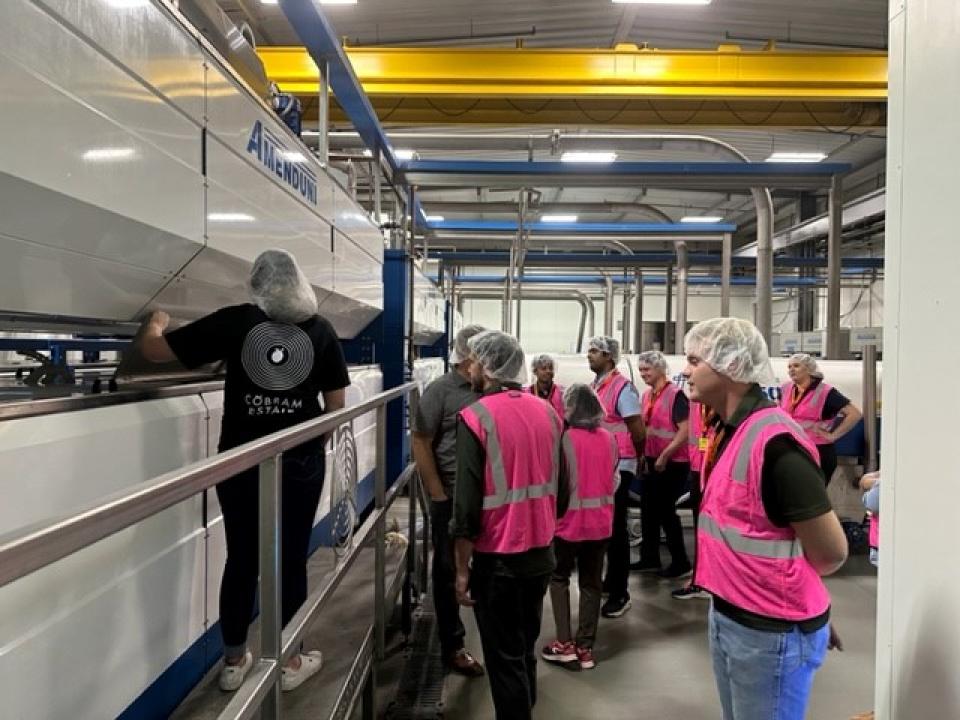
(437,416)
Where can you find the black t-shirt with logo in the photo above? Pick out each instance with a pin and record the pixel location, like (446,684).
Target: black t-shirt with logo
(275,371)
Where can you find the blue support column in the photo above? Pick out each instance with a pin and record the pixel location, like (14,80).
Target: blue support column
(392,352)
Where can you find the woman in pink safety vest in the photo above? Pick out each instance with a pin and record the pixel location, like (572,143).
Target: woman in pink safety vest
(816,406)
(666,413)
(766,532)
(588,463)
(544,367)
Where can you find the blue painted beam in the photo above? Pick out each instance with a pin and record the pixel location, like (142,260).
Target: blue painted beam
(631,228)
(323,44)
(644,258)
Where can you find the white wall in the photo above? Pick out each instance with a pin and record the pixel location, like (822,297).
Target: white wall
(918,618)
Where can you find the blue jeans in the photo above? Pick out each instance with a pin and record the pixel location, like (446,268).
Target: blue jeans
(764,675)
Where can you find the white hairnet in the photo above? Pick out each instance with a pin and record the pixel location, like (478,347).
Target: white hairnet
(808,362)
(655,359)
(543,359)
(608,345)
(279,287)
(499,355)
(731,346)
(461,349)
(582,407)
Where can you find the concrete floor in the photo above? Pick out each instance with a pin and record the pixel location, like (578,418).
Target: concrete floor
(654,661)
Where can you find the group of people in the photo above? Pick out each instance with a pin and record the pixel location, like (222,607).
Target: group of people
(529,483)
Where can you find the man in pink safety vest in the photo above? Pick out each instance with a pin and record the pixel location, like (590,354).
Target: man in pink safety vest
(506,497)
(666,413)
(544,367)
(624,419)
(766,533)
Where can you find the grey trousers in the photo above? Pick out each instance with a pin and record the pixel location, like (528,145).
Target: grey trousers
(587,557)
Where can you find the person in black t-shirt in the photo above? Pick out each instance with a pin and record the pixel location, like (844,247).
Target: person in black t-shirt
(280,357)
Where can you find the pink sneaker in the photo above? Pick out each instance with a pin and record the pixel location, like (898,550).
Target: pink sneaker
(585,656)
(558,652)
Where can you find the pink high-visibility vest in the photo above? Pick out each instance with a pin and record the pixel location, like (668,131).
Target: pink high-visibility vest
(694,451)
(555,399)
(609,393)
(809,411)
(873,532)
(591,458)
(520,435)
(660,427)
(742,556)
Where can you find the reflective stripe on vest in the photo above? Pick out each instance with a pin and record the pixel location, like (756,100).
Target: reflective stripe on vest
(573,474)
(736,541)
(502,495)
(741,465)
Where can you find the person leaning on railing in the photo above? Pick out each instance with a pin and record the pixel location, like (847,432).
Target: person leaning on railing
(280,357)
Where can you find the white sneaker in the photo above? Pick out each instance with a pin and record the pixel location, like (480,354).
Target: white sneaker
(231,676)
(310,664)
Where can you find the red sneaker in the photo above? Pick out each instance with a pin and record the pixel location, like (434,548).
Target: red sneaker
(585,656)
(558,652)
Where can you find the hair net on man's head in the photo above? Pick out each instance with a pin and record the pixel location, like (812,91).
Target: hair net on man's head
(279,287)
(608,345)
(542,360)
(808,362)
(655,359)
(461,348)
(582,407)
(731,346)
(499,355)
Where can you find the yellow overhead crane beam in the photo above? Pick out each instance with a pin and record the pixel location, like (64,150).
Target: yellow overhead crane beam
(624,85)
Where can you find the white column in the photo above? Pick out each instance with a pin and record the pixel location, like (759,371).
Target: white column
(918,617)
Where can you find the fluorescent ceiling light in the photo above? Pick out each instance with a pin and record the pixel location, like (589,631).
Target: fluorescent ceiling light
(338,2)
(434,218)
(558,218)
(404,154)
(662,2)
(797,157)
(701,219)
(230,217)
(367,152)
(269,2)
(108,154)
(588,157)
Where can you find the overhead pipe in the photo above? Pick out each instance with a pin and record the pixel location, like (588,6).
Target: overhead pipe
(835,212)
(627,345)
(608,306)
(762,198)
(638,312)
(683,268)
(725,267)
(668,333)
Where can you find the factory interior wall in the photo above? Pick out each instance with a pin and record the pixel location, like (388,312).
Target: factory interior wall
(859,307)
(918,618)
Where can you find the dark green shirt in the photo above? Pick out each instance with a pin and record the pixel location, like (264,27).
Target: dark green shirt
(468,506)
(792,490)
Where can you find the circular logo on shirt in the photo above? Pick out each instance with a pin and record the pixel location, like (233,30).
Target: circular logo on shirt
(277,356)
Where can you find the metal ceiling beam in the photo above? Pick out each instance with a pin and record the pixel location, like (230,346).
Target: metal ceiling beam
(679,175)
(612,229)
(640,258)
(728,73)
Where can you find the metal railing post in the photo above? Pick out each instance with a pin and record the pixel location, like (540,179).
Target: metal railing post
(380,556)
(271,627)
(871,458)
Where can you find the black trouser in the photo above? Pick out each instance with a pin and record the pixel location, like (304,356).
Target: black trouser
(828,460)
(449,626)
(658,509)
(587,557)
(509,611)
(618,551)
(302,482)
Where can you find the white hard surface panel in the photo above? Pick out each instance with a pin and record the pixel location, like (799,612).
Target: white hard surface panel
(918,633)
(355,223)
(163,56)
(65,106)
(133,601)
